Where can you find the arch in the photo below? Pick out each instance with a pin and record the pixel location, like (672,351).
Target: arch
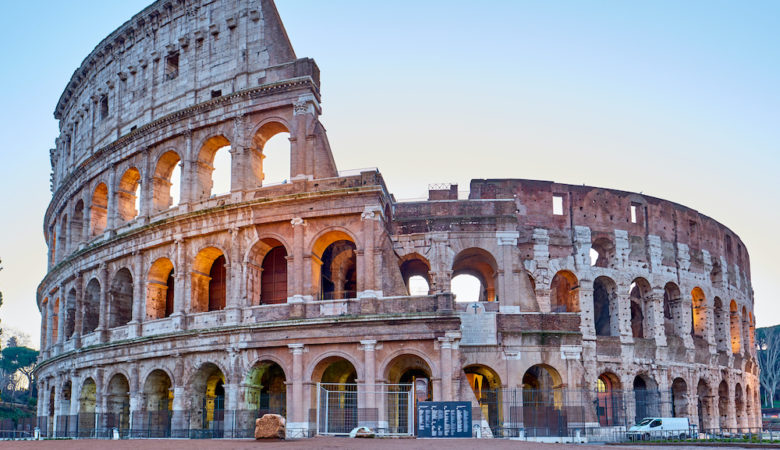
(267,285)
(206,392)
(337,277)
(723,404)
(745,329)
(66,396)
(416,273)
(409,367)
(62,242)
(338,375)
(158,404)
(209,280)
(609,407)
(480,264)
(165,192)
(542,397)
(204,170)
(317,368)
(679,398)
(486,386)
(91,307)
(160,289)
(702,406)
(87,403)
(672,309)
(605,300)
(55,321)
(739,405)
(44,322)
(118,403)
(565,292)
(120,299)
(70,313)
(639,294)
(602,252)
(77,224)
(647,397)
(127,194)
(736,334)
(98,210)
(265,389)
(698,312)
(267,143)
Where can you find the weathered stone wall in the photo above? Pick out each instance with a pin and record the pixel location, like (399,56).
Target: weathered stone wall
(159,302)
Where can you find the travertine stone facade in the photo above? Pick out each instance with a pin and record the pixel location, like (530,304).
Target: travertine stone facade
(149,303)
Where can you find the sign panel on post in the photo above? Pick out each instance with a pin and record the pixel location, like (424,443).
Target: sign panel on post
(444,419)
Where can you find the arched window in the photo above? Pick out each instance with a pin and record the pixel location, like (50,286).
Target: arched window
(415,270)
(160,290)
(77,224)
(609,400)
(55,321)
(166,183)
(99,210)
(698,312)
(338,274)
(70,313)
(274,279)
(602,253)
(214,168)
(91,307)
(271,161)
(474,271)
(647,398)
(564,292)
(120,299)
(63,233)
(736,333)
(604,303)
(638,294)
(672,310)
(128,195)
(209,281)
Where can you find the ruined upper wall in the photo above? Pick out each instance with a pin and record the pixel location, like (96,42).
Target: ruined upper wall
(172,55)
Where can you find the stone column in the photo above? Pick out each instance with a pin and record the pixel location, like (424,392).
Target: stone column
(658,331)
(369,383)
(135,394)
(181,272)
(78,310)
(445,354)
(179,412)
(620,311)
(50,324)
(74,404)
(587,325)
(188,171)
(233,381)
(297,282)
(139,295)
(508,292)
(233,271)
(103,316)
(112,211)
(61,318)
(296,410)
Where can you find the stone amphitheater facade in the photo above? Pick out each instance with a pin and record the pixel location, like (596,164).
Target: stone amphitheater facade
(233,302)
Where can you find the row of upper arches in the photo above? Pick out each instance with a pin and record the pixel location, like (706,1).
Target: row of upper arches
(214,170)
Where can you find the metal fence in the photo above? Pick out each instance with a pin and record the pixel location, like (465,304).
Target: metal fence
(388,409)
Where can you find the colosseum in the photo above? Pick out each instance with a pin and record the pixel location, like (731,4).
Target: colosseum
(170,309)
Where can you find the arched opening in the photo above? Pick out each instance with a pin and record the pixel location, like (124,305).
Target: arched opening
(272,154)
(739,405)
(64,425)
(52,409)
(472,266)
(647,398)
(679,398)
(749,406)
(214,168)
(166,183)
(672,310)
(266,272)
(118,404)
(91,312)
(543,412)
(721,326)
(63,240)
(44,322)
(209,281)
(736,342)
(609,405)
(158,398)
(486,385)
(604,302)
(415,271)
(338,273)
(77,224)
(160,290)
(698,312)
(207,389)
(723,404)
(752,332)
(564,292)
(639,293)
(702,406)
(87,402)
(602,253)
(53,245)
(745,329)
(407,369)
(339,393)
(120,299)
(98,210)
(128,195)
(70,313)
(266,389)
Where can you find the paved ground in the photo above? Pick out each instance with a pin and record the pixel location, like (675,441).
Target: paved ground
(316,443)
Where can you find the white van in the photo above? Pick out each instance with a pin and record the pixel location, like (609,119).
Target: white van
(660,428)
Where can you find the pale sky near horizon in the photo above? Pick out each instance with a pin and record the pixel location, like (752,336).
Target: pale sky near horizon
(679,100)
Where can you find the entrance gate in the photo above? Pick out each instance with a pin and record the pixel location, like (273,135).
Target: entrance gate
(387,409)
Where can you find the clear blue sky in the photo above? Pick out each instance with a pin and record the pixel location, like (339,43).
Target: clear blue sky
(680,100)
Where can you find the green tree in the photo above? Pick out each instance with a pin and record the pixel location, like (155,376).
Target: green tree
(768,353)
(22,360)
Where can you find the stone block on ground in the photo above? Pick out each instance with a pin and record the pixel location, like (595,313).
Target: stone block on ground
(270,426)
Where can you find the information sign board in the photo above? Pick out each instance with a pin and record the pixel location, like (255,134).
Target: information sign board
(444,419)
